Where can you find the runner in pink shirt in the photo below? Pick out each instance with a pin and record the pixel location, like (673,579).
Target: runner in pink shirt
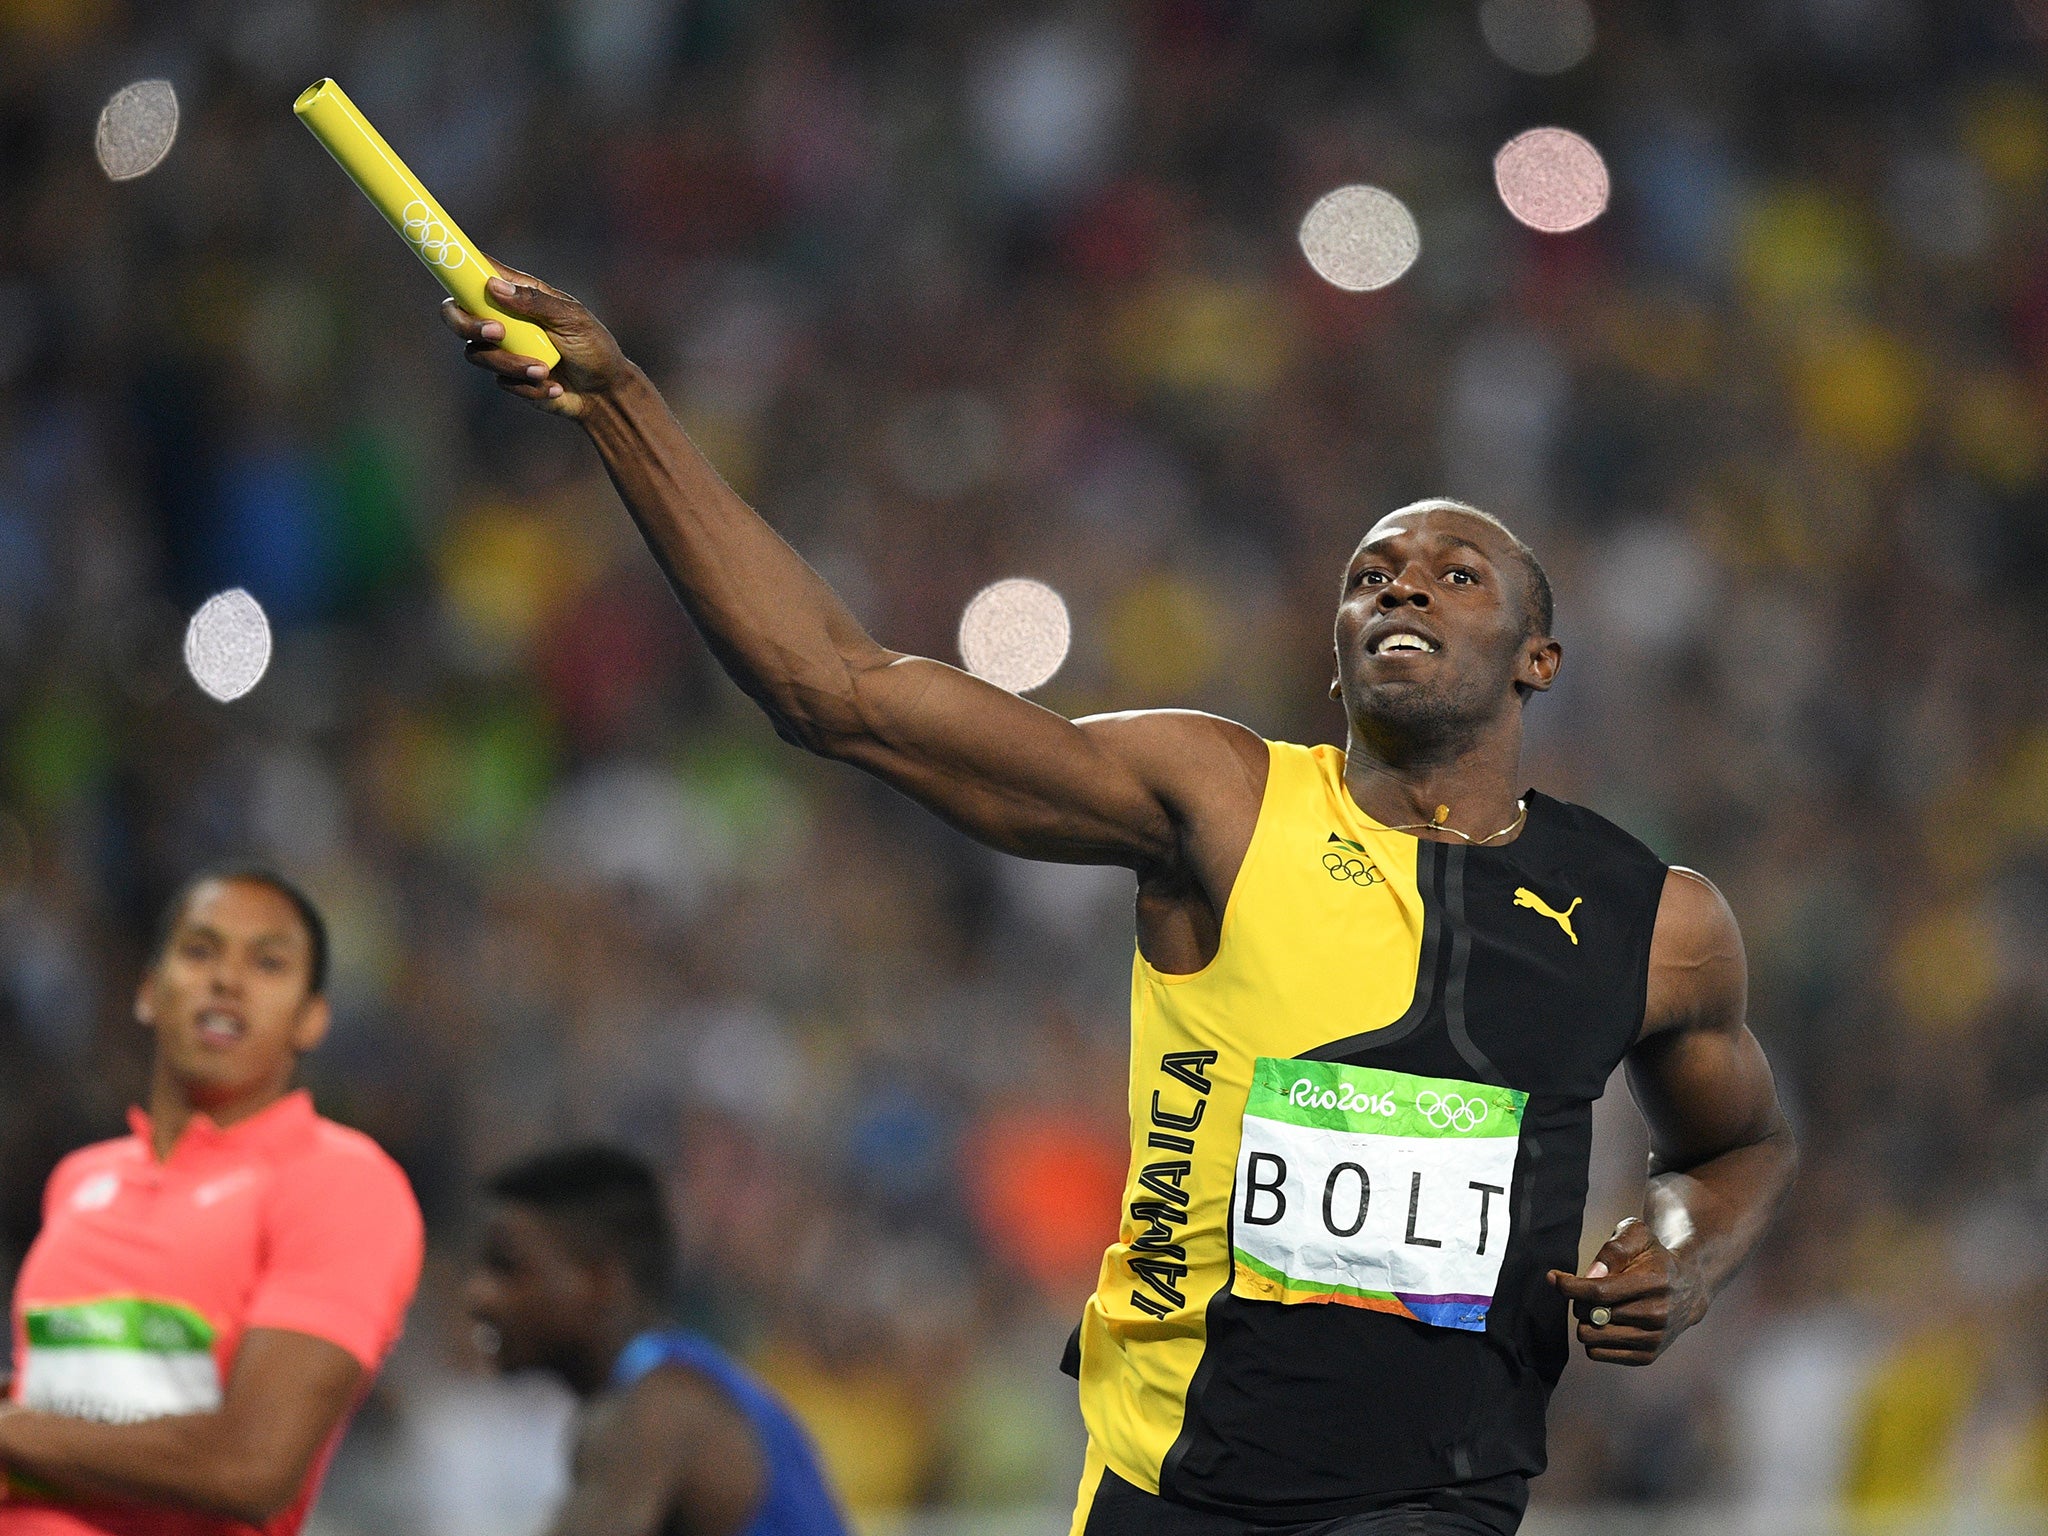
(211,1296)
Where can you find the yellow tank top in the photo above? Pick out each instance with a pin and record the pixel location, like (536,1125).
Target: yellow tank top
(1359,1138)
(1321,938)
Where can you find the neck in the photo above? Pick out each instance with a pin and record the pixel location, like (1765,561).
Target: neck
(1401,783)
(173,1103)
(590,1372)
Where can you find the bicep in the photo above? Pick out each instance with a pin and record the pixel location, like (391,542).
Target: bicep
(1697,1072)
(1703,1093)
(1023,779)
(345,1244)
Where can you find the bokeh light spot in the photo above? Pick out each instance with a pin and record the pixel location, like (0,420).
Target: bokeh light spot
(1551,179)
(227,645)
(1538,37)
(1015,634)
(1360,238)
(137,127)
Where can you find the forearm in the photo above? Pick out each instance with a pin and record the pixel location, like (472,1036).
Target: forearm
(194,1461)
(1713,1215)
(772,621)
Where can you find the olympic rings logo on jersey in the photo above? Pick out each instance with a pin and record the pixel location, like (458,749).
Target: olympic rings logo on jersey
(1350,867)
(1451,1111)
(430,237)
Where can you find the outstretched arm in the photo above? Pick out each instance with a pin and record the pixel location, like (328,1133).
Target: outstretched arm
(1116,790)
(247,1460)
(1721,1153)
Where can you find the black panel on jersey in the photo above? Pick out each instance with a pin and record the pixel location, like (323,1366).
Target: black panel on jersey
(1310,1411)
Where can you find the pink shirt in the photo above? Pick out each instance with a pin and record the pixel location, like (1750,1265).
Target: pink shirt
(136,1294)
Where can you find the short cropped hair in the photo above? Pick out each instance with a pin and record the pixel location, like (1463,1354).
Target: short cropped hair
(605,1200)
(1541,611)
(250,874)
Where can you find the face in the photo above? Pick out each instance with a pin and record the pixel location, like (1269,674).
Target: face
(531,1299)
(1432,626)
(230,999)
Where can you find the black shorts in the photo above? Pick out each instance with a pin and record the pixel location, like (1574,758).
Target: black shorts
(1492,1508)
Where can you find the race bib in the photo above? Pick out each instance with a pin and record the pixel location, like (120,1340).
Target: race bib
(1374,1189)
(119,1360)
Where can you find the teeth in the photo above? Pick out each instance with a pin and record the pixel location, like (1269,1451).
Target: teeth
(1403,643)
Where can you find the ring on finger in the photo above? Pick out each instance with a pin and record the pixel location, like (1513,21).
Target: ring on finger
(1600,1317)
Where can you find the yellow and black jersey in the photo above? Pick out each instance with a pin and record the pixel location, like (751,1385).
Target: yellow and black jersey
(1359,1138)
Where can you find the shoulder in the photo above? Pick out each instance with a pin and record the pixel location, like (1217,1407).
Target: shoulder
(1699,974)
(117,1152)
(1177,730)
(99,1157)
(1586,829)
(674,1405)
(1694,920)
(681,1384)
(1184,751)
(338,1164)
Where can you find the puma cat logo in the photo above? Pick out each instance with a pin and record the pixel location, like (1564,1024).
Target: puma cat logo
(1524,897)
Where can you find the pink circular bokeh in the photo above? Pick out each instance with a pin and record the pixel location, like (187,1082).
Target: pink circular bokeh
(1551,179)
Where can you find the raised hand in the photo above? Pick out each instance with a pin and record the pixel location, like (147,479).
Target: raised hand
(591,360)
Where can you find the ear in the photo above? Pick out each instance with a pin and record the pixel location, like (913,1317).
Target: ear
(1337,689)
(145,1001)
(311,1027)
(1540,661)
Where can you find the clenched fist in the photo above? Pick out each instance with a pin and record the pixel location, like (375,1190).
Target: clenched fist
(1634,1299)
(591,360)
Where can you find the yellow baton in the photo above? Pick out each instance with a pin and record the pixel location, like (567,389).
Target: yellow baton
(409,208)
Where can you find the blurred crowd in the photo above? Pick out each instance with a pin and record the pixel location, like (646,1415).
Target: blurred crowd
(956,290)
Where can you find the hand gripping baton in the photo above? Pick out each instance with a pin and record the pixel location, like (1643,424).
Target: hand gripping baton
(410,209)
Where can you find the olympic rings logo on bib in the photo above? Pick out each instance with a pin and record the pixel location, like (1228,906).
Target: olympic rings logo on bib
(430,237)
(1451,1111)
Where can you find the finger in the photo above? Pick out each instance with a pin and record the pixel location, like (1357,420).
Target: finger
(531,301)
(1637,1284)
(1621,1356)
(1630,1285)
(468,326)
(513,273)
(1615,1336)
(490,355)
(1631,1240)
(1653,1314)
(539,393)
(1579,1287)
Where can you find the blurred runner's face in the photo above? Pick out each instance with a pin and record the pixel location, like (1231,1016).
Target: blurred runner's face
(230,998)
(1431,627)
(534,1300)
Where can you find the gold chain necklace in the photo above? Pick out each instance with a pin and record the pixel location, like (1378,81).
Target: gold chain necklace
(1436,824)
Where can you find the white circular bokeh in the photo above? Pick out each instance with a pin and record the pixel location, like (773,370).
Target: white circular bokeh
(1015,633)
(1360,238)
(137,127)
(1552,180)
(227,645)
(1538,37)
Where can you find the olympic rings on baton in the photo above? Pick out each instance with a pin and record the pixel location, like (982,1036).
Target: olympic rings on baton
(430,237)
(1451,1111)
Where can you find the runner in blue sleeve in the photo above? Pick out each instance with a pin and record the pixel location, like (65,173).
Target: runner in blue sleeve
(674,1437)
